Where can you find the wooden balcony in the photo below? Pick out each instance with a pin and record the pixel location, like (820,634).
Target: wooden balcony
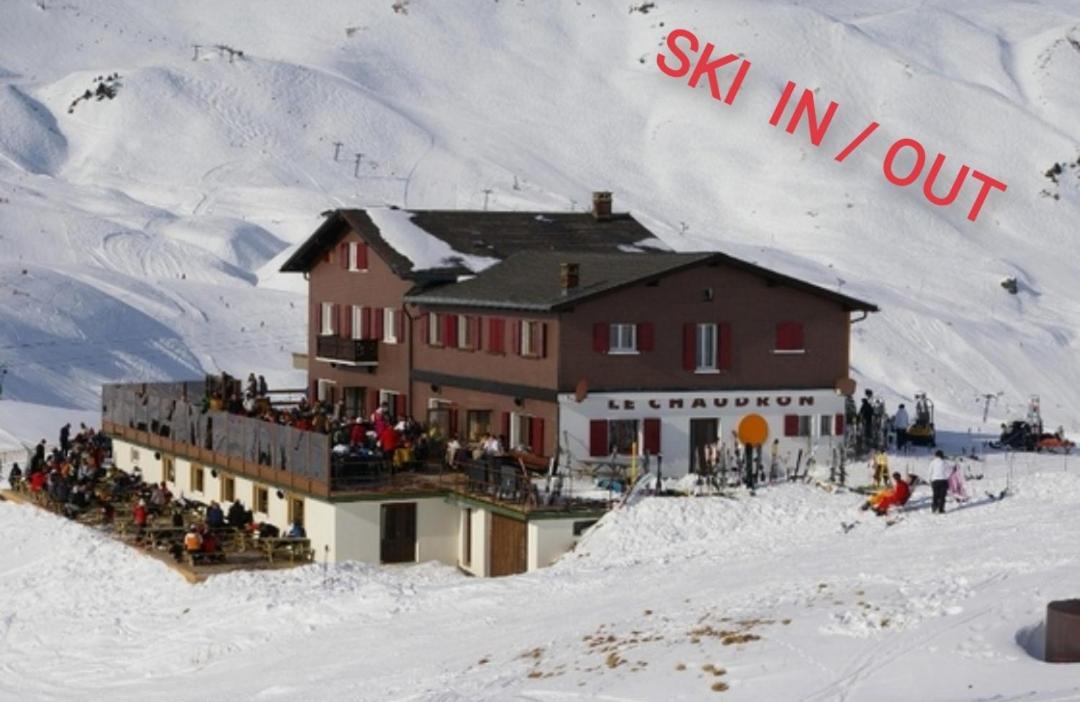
(354,352)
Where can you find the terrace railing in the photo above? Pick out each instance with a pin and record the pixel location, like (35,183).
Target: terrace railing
(358,352)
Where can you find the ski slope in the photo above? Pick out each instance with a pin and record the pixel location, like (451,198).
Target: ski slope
(933,608)
(140,234)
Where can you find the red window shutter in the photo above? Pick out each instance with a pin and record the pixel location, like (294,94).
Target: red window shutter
(335,323)
(645,336)
(494,337)
(791,425)
(652,436)
(346,321)
(541,339)
(838,423)
(474,322)
(515,336)
(343,254)
(372,401)
(361,256)
(425,319)
(598,443)
(316,315)
(689,341)
(377,316)
(723,354)
(313,398)
(400,405)
(536,436)
(365,322)
(450,330)
(399,325)
(452,417)
(789,336)
(601,337)
(506,427)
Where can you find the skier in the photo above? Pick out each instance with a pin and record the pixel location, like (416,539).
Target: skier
(881,469)
(882,500)
(900,423)
(957,487)
(15,478)
(939,482)
(866,423)
(65,439)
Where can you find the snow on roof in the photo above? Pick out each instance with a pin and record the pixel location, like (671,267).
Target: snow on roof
(424,250)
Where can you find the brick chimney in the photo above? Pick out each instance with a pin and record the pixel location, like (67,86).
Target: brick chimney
(601,205)
(568,277)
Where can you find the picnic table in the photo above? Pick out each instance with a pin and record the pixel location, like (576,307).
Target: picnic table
(292,547)
(163,535)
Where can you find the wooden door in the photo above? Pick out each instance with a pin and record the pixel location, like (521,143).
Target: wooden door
(398,544)
(702,433)
(507,546)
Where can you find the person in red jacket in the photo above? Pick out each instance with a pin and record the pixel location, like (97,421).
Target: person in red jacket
(388,440)
(141,514)
(357,433)
(897,495)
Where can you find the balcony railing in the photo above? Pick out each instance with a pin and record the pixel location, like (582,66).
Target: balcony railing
(357,352)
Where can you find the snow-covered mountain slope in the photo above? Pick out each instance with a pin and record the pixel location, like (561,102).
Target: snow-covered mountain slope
(140,233)
(762,598)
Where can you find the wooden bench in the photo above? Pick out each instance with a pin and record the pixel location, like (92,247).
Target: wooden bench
(194,558)
(295,548)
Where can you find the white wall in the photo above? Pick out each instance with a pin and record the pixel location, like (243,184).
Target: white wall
(357,531)
(152,468)
(574,419)
(481,527)
(438,525)
(548,539)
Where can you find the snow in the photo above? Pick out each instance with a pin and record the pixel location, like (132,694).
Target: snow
(424,250)
(140,238)
(933,608)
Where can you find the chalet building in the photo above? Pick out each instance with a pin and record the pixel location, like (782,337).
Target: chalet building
(573,334)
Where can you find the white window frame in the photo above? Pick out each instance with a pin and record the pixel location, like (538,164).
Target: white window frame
(327,328)
(435,329)
(515,438)
(464,332)
(323,389)
(526,334)
(703,351)
(357,321)
(825,425)
(622,331)
(388,397)
(390,325)
(354,258)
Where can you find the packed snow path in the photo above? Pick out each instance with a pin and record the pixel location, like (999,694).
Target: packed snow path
(934,607)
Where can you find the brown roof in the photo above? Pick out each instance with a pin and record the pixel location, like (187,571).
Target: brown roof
(531,281)
(481,233)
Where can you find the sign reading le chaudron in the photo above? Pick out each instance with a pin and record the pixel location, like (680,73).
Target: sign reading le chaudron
(718,402)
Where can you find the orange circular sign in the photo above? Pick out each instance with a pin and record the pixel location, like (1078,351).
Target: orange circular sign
(753,430)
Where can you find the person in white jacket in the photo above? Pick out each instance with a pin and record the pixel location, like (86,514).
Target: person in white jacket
(939,482)
(900,426)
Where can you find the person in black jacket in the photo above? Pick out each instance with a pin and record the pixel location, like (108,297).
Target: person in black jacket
(238,516)
(15,477)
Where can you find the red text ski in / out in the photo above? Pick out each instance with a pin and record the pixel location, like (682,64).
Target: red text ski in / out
(682,44)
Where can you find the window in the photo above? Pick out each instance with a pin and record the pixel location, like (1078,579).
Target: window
(296,510)
(532,338)
(325,391)
(789,337)
(825,424)
(134,454)
(435,329)
(705,349)
(797,425)
(389,399)
(198,479)
(357,322)
(622,433)
(623,338)
(466,536)
(477,423)
(228,488)
(357,256)
(519,430)
(465,338)
(327,319)
(260,499)
(390,325)
(170,470)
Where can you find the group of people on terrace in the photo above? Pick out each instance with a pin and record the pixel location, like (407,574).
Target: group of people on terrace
(65,478)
